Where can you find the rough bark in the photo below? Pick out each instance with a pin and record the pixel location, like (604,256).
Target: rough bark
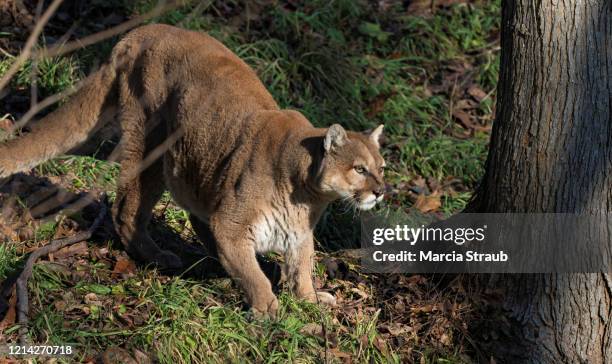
(551,151)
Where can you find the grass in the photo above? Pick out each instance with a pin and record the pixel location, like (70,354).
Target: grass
(53,75)
(335,61)
(185,321)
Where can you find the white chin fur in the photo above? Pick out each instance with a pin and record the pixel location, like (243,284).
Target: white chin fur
(368,203)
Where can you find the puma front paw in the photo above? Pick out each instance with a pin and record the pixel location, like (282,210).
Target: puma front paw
(265,309)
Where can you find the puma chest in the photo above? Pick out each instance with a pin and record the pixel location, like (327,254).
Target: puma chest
(280,229)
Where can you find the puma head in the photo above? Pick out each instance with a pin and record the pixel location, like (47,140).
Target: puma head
(352,167)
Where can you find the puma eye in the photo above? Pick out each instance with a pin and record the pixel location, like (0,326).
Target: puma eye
(381,170)
(360,169)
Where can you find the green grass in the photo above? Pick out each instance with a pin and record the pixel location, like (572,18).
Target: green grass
(336,61)
(83,172)
(8,259)
(53,74)
(183,321)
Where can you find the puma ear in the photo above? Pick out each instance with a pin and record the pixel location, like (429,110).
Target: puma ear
(335,137)
(376,134)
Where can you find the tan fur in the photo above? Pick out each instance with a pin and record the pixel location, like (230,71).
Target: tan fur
(256,177)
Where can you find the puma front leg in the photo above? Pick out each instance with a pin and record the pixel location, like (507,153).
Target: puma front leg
(299,270)
(240,261)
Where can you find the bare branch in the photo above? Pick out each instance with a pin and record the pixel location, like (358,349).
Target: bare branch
(53,246)
(61,49)
(27,50)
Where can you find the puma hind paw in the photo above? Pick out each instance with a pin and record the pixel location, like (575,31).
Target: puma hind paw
(321,297)
(165,260)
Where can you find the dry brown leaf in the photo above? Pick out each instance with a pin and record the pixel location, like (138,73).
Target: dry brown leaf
(396,328)
(445,339)
(378,104)
(477,93)
(79,249)
(124,266)
(379,343)
(428,203)
(117,355)
(361,293)
(339,354)
(92,299)
(420,182)
(8,361)
(466,120)
(141,357)
(428,7)
(464,104)
(312,329)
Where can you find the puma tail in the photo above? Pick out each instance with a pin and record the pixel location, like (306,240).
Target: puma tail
(66,128)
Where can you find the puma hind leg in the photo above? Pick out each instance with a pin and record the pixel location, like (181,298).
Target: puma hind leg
(132,212)
(140,186)
(211,264)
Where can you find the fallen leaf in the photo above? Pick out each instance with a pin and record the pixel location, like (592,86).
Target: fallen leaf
(8,361)
(312,329)
(378,104)
(419,8)
(428,203)
(339,354)
(362,295)
(396,328)
(428,7)
(116,355)
(124,266)
(477,93)
(60,305)
(379,343)
(141,357)
(79,249)
(445,339)
(92,299)
(466,120)
(465,104)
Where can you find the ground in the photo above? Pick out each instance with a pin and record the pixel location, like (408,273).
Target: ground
(428,72)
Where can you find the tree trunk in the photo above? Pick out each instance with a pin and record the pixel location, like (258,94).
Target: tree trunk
(551,151)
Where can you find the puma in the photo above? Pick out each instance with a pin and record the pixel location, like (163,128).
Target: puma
(195,119)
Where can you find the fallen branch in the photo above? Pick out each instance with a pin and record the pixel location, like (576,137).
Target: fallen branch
(53,246)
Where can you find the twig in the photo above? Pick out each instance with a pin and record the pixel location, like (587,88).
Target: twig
(33,110)
(60,49)
(34,70)
(53,246)
(27,49)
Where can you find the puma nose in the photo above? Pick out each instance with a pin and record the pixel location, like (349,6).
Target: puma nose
(379,191)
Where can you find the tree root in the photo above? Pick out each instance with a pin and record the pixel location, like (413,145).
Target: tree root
(53,246)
